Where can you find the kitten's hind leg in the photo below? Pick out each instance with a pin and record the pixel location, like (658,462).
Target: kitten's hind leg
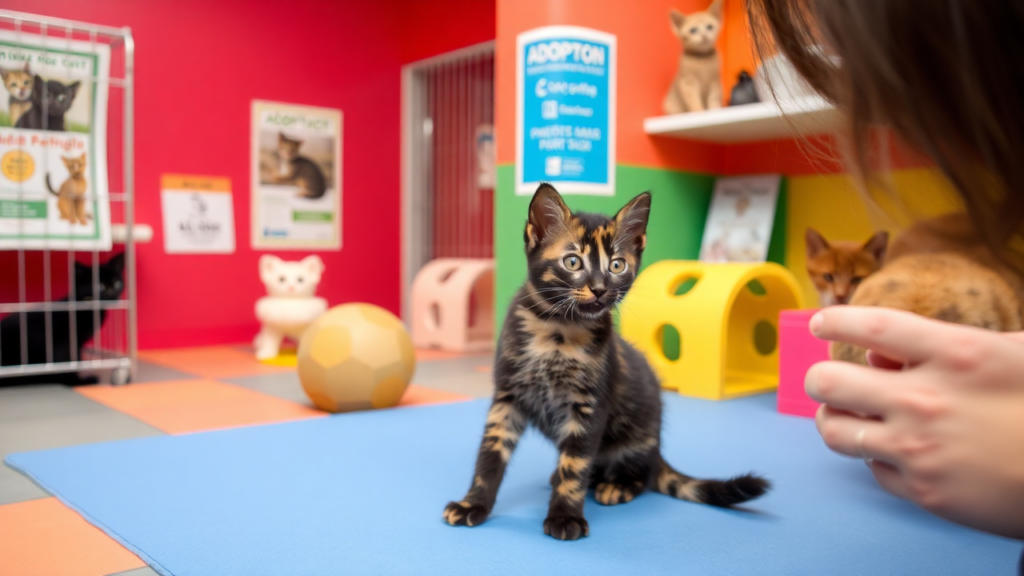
(505,424)
(627,471)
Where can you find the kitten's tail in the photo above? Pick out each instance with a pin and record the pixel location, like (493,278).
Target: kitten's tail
(722,493)
(49,187)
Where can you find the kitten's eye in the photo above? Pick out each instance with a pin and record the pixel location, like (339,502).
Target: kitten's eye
(855,280)
(572,263)
(828,277)
(710,27)
(618,266)
(282,279)
(694,30)
(299,280)
(60,98)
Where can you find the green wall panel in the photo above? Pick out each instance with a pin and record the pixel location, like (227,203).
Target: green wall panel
(679,208)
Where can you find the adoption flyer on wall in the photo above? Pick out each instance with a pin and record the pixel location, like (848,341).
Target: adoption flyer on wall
(53,165)
(296,177)
(739,225)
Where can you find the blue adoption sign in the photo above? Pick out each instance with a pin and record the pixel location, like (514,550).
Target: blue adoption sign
(565,110)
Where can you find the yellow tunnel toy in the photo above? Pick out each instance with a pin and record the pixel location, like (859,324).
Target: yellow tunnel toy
(710,330)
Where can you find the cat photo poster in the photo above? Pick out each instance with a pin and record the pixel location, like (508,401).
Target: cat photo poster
(53,161)
(296,177)
(739,224)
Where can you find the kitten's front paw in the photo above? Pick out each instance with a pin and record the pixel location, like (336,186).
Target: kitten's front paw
(566,527)
(464,514)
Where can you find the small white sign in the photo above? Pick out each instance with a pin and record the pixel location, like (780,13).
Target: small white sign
(199,216)
(739,225)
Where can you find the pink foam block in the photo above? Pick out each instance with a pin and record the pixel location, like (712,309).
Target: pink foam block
(798,351)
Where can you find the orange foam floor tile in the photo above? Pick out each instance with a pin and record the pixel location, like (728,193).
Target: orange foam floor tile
(418,395)
(183,406)
(212,361)
(46,538)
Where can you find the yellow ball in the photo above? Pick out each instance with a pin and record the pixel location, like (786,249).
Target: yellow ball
(354,357)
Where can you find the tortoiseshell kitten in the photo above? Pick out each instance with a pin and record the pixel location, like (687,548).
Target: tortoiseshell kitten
(561,367)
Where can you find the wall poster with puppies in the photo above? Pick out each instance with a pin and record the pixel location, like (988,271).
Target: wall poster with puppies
(296,177)
(53,142)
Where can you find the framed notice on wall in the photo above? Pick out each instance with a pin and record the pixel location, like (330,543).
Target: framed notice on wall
(296,177)
(53,161)
(565,110)
(199,216)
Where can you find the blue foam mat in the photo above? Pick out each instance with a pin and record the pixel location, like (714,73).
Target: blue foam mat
(363,494)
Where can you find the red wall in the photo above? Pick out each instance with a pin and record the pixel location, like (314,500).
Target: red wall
(198,67)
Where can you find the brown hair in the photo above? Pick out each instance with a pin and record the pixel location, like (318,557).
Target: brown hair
(945,75)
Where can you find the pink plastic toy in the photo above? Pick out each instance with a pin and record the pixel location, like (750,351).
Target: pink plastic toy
(798,351)
(453,305)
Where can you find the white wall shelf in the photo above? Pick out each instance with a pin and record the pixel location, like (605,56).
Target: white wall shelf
(749,123)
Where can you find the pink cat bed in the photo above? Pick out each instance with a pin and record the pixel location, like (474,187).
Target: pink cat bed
(798,351)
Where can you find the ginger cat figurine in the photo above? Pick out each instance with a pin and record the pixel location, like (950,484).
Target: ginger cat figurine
(837,268)
(697,84)
(291,304)
(941,269)
(71,196)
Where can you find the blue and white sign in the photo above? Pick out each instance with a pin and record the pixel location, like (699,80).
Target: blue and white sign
(565,104)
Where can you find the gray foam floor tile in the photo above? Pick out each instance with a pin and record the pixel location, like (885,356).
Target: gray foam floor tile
(41,417)
(283,385)
(155,373)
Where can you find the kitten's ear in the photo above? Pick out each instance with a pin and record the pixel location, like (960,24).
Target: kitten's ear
(876,245)
(677,18)
(631,223)
(25,69)
(268,263)
(115,265)
(816,243)
(716,9)
(313,264)
(4,73)
(548,214)
(73,87)
(280,137)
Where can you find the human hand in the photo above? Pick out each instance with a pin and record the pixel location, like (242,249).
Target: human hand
(939,414)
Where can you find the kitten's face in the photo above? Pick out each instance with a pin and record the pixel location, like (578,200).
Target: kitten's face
(581,265)
(699,31)
(291,279)
(288,148)
(838,268)
(59,97)
(111,280)
(75,166)
(18,82)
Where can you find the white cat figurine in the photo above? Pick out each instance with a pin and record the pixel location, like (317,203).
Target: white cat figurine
(291,305)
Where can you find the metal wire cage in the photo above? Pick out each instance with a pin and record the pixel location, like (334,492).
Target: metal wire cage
(43,299)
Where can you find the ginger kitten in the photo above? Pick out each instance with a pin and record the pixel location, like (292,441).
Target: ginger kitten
(71,196)
(697,84)
(837,268)
(940,269)
(19,84)
(562,368)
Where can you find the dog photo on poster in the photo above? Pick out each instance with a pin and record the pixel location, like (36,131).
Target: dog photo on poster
(296,177)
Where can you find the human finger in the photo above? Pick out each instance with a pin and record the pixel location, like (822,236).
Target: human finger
(851,434)
(890,478)
(876,360)
(896,334)
(851,387)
